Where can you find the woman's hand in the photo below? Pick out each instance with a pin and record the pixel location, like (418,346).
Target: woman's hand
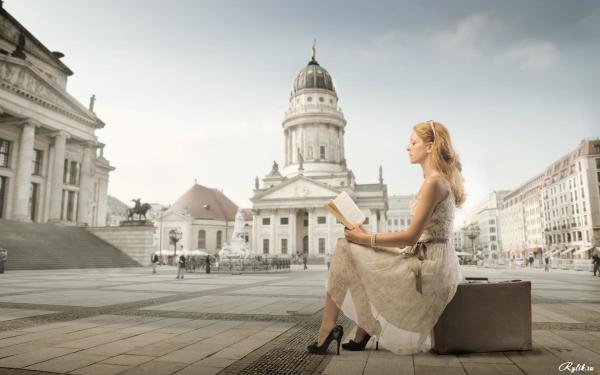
(358,235)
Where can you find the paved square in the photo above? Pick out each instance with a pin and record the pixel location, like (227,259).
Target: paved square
(128,321)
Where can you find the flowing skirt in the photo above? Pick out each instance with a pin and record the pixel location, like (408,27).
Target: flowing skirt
(377,290)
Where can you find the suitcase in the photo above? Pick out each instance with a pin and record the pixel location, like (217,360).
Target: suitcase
(485,317)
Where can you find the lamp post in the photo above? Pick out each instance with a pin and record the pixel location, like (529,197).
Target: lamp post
(175,236)
(472,232)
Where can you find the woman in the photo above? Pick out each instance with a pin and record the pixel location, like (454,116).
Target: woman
(398,294)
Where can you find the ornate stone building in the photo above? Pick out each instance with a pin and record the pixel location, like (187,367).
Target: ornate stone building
(288,213)
(52,167)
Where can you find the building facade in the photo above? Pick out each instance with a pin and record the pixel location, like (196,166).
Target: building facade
(570,200)
(289,217)
(52,167)
(521,221)
(399,212)
(487,217)
(205,217)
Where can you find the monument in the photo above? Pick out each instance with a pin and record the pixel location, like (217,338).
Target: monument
(237,248)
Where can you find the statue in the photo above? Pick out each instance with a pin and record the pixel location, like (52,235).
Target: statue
(300,161)
(139,209)
(237,248)
(92,102)
(380,174)
(19,51)
(313,50)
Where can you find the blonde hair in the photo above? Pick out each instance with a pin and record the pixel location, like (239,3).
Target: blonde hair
(443,158)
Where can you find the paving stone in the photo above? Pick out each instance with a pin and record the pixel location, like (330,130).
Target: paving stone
(535,356)
(336,367)
(492,369)
(67,363)
(101,369)
(430,359)
(377,365)
(128,360)
(497,357)
(155,368)
(435,370)
(32,357)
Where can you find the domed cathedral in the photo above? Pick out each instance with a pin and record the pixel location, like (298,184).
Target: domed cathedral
(288,207)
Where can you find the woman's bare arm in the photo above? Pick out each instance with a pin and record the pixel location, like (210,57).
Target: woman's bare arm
(433,191)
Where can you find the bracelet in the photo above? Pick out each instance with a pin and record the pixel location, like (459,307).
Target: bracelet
(373,239)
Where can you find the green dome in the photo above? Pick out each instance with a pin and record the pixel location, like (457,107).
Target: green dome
(313,76)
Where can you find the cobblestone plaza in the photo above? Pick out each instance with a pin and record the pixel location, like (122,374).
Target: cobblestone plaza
(129,321)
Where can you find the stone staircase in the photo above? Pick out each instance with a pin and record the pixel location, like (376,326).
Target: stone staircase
(45,246)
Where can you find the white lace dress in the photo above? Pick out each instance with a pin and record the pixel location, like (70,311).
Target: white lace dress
(379,290)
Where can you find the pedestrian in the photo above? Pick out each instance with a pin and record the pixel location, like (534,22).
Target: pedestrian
(530,261)
(547,264)
(180,266)
(154,260)
(305,261)
(207,264)
(328,260)
(596,263)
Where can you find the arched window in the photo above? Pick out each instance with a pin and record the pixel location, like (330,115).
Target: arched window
(201,239)
(219,239)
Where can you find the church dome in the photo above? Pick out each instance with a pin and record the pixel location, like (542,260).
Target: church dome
(313,76)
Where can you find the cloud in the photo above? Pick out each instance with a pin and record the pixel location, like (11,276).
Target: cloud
(530,55)
(384,46)
(469,37)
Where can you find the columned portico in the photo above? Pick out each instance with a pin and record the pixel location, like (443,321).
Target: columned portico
(23,172)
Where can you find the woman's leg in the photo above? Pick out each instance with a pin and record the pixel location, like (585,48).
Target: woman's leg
(330,314)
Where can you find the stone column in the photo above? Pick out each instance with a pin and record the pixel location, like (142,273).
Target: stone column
(293,235)
(274,226)
(102,198)
(56,184)
(85,184)
(255,231)
(23,172)
(311,229)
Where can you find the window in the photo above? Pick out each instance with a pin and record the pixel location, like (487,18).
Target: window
(70,215)
(37,162)
(3,183)
(492,238)
(201,239)
(597,163)
(71,172)
(492,221)
(396,221)
(284,249)
(284,221)
(322,152)
(4,151)
(492,230)
(219,239)
(321,246)
(305,223)
(266,246)
(266,221)
(321,219)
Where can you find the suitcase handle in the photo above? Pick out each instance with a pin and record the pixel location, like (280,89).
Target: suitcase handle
(476,279)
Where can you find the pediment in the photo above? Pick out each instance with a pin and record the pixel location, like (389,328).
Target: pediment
(298,188)
(21,78)
(11,29)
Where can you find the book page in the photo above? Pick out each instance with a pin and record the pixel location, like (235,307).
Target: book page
(349,209)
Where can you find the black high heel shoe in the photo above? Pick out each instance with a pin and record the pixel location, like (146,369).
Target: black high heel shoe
(335,334)
(359,346)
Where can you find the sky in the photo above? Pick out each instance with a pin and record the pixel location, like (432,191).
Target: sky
(197,90)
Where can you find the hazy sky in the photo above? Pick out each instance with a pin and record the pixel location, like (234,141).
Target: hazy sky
(198,90)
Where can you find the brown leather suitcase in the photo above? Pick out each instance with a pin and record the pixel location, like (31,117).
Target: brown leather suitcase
(485,317)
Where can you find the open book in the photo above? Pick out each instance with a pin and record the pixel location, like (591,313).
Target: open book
(345,210)
(348,213)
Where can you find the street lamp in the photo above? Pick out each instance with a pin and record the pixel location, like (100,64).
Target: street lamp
(472,232)
(175,236)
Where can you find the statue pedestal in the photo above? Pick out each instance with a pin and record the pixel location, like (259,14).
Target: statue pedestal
(137,223)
